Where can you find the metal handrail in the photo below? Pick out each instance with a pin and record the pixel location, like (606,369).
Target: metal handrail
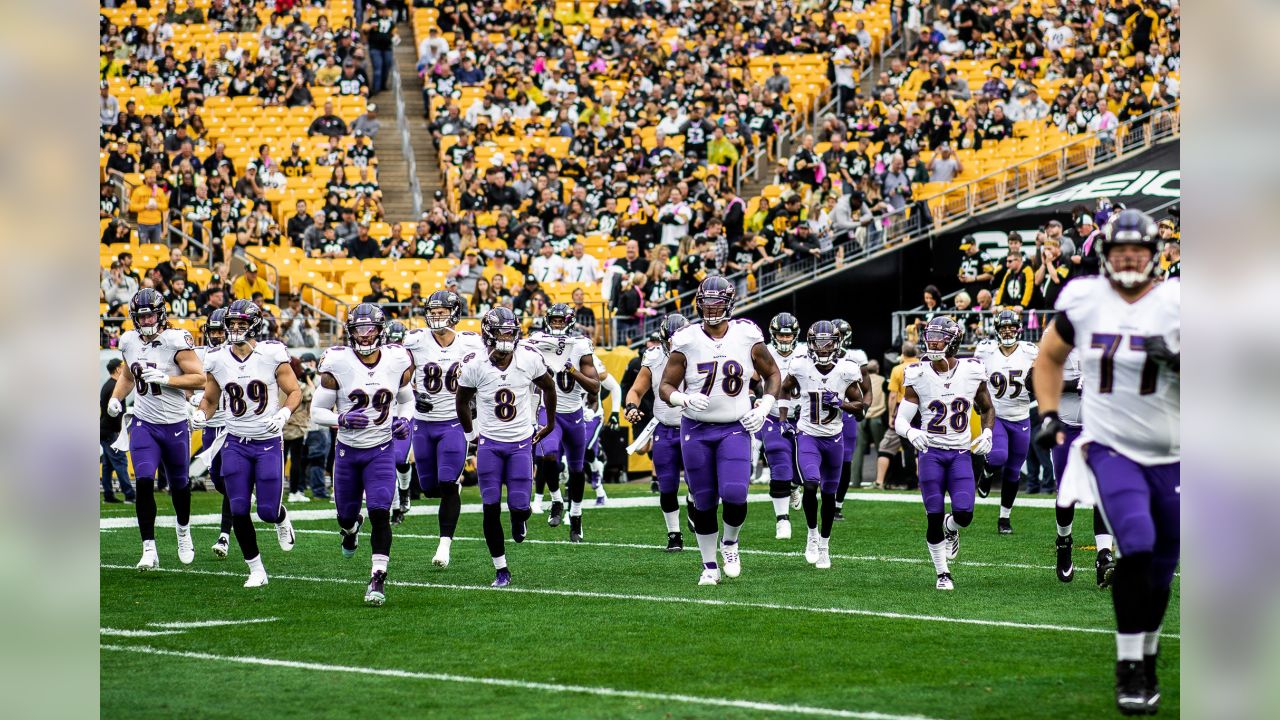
(978,325)
(333,318)
(406,147)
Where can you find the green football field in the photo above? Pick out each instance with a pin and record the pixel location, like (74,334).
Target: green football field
(615,627)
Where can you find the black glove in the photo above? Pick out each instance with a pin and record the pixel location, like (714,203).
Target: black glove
(422,404)
(613,421)
(1050,426)
(1158,350)
(788,430)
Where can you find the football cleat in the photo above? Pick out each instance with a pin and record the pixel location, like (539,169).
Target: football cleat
(575,536)
(221,547)
(602,500)
(811,548)
(783,530)
(839,516)
(1105,566)
(375,595)
(575,529)
(284,535)
(984,482)
(1152,685)
(397,516)
(732,561)
(257,578)
(710,576)
(952,538)
(503,579)
(1004,527)
(535,506)
(186,548)
(1066,570)
(824,559)
(557,513)
(797,497)
(675,541)
(944,582)
(519,529)
(150,558)
(441,559)
(1131,690)
(351,540)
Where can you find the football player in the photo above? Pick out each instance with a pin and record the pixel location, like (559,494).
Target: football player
(251,374)
(593,415)
(667,461)
(1007,362)
(779,437)
(214,334)
(161,364)
(828,387)
(572,362)
(1069,414)
(1127,328)
(849,431)
(365,390)
(943,389)
(395,335)
(439,445)
(706,376)
(500,380)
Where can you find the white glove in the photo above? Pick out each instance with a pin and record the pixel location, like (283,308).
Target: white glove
(198,419)
(475,433)
(754,420)
(277,421)
(919,439)
(982,445)
(195,398)
(694,401)
(154,375)
(114,407)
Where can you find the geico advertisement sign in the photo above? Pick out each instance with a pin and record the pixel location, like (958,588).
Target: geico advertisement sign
(1152,183)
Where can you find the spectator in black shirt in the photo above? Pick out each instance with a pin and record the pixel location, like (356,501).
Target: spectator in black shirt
(328,123)
(497,194)
(362,246)
(803,243)
(114,462)
(377,294)
(382,36)
(297,225)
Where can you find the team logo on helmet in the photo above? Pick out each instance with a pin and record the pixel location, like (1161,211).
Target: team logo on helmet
(500,330)
(395,332)
(365,327)
(243,321)
(845,331)
(214,330)
(670,324)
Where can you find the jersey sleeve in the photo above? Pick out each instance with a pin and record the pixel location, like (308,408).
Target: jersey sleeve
(1032,350)
(984,349)
(277,353)
(470,375)
(751,332)
(1075,295)
(533,363)
(329,362)
(910,376)
(180,340)
(680,341)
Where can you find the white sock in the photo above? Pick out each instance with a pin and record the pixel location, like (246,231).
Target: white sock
(255,564)
(402,480)
(600,490)
(446,543)
(380,563)
(555,496)
(1151,641)
(707,547)
(824,543)
(949,524)
(939,554)
(731,533)
(1129,646)
(499,562)
(673,520)
(780,505)
(813,531)
(1005,512)
(1103,542)
(1064,530)
(575,509)
(148,546)
(184,529)
(839,504)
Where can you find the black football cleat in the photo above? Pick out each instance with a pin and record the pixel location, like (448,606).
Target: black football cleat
(557,513)
(984,482)
(375,595)
(575,529)
(1004,526)
(1105,565)
(1066,569)
(675,541)
(1152,685)
(1131,690)
(397,516)
(839,515)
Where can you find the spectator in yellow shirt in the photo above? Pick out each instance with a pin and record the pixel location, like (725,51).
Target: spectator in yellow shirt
(249,283)
(151,203)
(720,151)
(891,444)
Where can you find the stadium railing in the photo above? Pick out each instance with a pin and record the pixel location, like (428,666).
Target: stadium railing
(978,325)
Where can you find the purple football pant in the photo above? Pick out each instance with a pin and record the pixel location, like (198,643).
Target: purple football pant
(946,472)
(820,460)
(363,473)
(207,437)
(509,463)
(849,432)
(1060,453)
(254,466)
(667,460)
(778,451)
(717,462)
(439,452)
(400,448)
(568,437)
(1010,442)
(153,446)
(593,437)
(1142,506)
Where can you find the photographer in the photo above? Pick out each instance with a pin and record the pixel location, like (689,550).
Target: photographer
(299,327)
(317,438)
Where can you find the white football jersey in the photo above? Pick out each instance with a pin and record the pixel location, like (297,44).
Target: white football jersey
(1007,377)
(784,363)
(372,388)
(1069,407)
(159,404)
(655,359)
(504,397)
(250,392)
(1130,403)
(719,369)
(816,419)
(437,368)
(219,418)
(856,355)
(556,351)
(945,400)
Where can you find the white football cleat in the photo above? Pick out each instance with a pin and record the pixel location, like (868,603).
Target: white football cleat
(797,497)
(186,548)
(710,576)
(952,539)
(441,559)
(221,546)
(811,547)
(824,559)
(535,507)
(732,562)
(784,530)
(257,578)
(150,558)
(284,534)
(944,581)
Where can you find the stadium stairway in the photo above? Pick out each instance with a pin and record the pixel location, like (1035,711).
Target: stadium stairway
(424,152)
(393,167)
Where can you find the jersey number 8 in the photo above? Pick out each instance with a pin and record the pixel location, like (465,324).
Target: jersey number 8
(142,387)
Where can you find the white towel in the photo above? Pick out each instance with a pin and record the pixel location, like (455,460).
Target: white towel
(1078,483)
(200,463)
(122,440)
(643,438)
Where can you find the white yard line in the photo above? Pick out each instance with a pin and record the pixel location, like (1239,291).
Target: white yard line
(210,623)
(113,632)
(765,707)
(665,599)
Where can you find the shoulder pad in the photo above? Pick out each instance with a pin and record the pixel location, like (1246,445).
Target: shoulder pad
(337,347)
(271,342)
(468,332)
(1028,345)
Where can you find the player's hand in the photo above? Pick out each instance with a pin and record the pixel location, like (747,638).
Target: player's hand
(613,420)
(276,423)
(542,433)
(400,428)
(353,420)
(568,367)
(154,376)
(1051,430)
(195,398)
(918,439)
(633,413)
(115,407)
(198,419)
(754,420)
(1158,350)
(421,403)
(832,399)
(697,401)
(788,430)
(472,435)
(982,444)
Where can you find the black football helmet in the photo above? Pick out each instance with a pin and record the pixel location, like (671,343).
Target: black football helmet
(1130,227)
(670,324)
(845,331)
(500,330)
(448,300)
(214,330)
(715,299)
(149,312)
(365,326)
(395,332)
(243,321)
(560,319)
(824,342)
(940,339)
(784,325)
(1008,328)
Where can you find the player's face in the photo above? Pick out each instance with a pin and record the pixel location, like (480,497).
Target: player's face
(215,337)
(824,350)
(1008,334)
(438,318)
(786,341)
(148,324)
(237,331)
(557,325)
(365,338)
(1128,258)
(505,341)
(713,311)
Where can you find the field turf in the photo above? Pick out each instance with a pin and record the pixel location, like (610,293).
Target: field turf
(614,627)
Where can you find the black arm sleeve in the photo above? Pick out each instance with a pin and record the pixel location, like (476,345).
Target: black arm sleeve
(1065,329)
